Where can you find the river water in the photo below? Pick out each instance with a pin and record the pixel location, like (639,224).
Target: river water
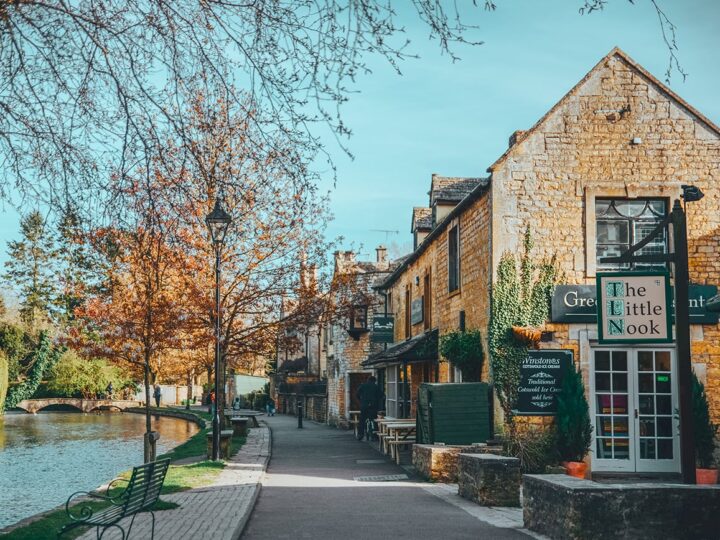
(46,457)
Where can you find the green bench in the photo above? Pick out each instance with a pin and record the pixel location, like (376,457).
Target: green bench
(141,493)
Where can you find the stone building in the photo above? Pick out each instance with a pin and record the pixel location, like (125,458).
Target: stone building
(593,176)
(347,337)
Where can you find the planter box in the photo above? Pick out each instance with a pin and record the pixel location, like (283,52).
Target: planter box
(489,480)
(563,507)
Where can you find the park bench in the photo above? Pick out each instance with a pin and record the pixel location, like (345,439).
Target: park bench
(142,492)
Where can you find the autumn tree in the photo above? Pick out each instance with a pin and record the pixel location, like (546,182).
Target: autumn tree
(90,88)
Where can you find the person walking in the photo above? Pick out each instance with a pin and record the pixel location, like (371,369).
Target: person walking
(270,406)
(109,390)
(156,394)
(369,395)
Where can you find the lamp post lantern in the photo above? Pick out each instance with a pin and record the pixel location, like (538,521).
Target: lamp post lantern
(218,221)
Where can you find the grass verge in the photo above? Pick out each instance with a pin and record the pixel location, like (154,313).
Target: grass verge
(179,478)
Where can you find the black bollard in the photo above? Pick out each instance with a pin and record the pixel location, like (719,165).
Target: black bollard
(300,414)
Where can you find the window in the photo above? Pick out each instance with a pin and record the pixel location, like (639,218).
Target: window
(358,319)
(407,312)
(621,223)
(427,302)
(453,259)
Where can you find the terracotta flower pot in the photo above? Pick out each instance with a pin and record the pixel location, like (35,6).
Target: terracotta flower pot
(706,476)
(576,469)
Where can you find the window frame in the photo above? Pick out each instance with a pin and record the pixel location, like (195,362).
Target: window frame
(632,223)
(453,240)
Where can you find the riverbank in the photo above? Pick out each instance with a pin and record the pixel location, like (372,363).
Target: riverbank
(180,478)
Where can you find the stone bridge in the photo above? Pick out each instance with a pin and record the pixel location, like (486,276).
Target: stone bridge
(84,405)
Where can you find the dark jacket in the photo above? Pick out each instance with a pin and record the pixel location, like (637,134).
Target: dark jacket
(369,394)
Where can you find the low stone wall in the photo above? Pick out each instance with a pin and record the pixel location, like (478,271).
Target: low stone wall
(439,463)
(489,480)
(567,508)
(315,405)
(169,412)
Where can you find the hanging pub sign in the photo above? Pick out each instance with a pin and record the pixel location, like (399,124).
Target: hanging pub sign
(576,304)
(634,307)
(383,329)
(541,377)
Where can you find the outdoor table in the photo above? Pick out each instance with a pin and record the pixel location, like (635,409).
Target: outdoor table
(383,433)
(354,420)
(398,432)
(244,413)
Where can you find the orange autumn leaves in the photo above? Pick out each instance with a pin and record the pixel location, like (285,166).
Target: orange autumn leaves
(157,302)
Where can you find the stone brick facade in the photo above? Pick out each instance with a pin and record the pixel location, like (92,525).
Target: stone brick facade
(619,133)
(347,350)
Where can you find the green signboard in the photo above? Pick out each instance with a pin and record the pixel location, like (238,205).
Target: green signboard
(634,307)
(576,304)
(383,329)
(541,377)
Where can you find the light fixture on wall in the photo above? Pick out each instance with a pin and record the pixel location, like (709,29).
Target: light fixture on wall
(417,281)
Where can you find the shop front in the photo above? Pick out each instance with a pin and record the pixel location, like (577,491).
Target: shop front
(632,389)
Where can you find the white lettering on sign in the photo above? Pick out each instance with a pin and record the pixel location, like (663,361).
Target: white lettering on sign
(634,308)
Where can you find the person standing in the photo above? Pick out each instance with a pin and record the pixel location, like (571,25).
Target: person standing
(156,394)
(109,390)
(270,406)
(369,395)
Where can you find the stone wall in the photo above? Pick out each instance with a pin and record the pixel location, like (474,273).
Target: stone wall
(489,480)
(583,149)
(315,406)
(566,508)
(439,463)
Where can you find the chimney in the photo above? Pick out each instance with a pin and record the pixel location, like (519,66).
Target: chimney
(344,259)
(381,257)
(517,135)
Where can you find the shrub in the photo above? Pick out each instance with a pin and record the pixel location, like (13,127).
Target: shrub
(705,430)
(573,428)
(535,448)
(464,350)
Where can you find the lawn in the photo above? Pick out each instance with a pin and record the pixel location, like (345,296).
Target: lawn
(179,478)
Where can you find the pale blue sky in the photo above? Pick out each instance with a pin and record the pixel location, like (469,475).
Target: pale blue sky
(455,119)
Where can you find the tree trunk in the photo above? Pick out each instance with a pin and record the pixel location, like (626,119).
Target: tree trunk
(189,389)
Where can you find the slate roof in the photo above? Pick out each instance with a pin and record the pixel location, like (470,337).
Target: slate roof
(452,188)
(421,219)
(420,348)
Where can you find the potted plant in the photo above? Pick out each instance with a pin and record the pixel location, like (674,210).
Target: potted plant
(573,430)
(705,432)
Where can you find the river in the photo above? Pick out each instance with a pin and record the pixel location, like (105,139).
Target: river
(46,457)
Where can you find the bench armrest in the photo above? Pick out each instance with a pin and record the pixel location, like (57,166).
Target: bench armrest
(112,485)
(85,512)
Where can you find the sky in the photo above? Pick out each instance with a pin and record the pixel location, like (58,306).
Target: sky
(454,119)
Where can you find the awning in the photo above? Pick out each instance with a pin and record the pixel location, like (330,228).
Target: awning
(420,348)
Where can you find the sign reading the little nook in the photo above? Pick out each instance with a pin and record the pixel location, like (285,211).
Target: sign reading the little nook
(634,307)
(541,377)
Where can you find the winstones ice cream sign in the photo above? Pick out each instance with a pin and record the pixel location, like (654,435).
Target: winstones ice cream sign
(541,377)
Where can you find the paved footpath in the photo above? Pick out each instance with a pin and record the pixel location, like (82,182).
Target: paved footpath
(316,486)
(219,511)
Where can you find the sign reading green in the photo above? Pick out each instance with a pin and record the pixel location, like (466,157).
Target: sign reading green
(634,307)
(383,330)
(541,376)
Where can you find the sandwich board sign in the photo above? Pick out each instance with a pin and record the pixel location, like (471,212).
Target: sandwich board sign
(634,307)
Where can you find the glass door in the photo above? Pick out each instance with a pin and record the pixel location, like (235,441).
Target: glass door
(611,380)
(657,441)
(633,398)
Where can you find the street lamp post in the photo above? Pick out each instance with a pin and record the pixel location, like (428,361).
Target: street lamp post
(218,222)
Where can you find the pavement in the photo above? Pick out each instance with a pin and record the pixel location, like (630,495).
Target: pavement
(219,511)
(321,483)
